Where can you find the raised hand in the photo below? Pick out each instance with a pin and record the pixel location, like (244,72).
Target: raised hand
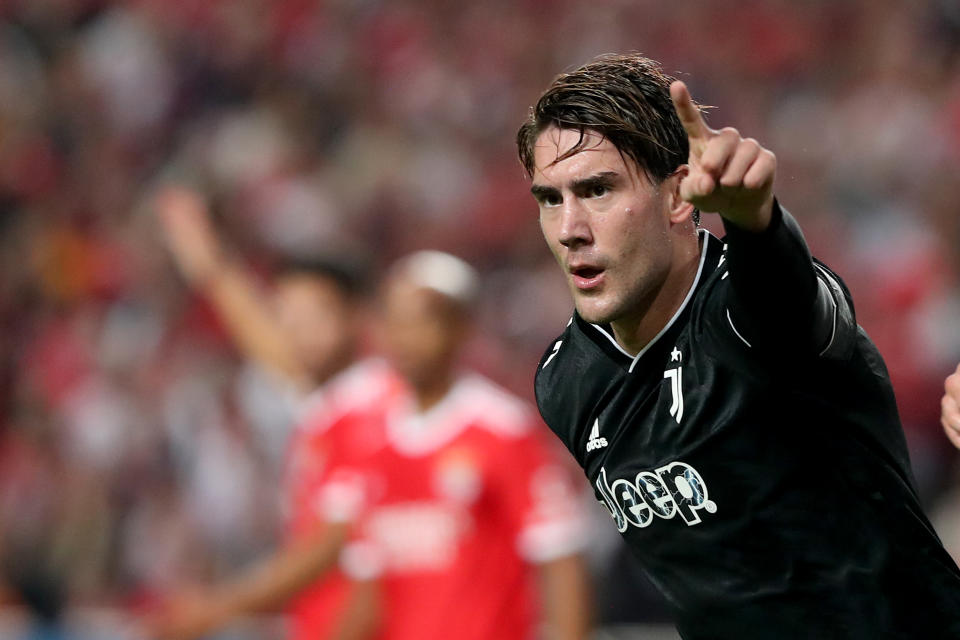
(189,233)
(729,174)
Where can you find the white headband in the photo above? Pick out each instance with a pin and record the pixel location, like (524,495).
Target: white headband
(443,273)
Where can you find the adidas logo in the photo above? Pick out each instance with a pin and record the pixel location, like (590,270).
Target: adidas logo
(595,442)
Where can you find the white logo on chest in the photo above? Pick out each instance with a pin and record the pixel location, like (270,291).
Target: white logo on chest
(675,488)
(676,384)
(595,442)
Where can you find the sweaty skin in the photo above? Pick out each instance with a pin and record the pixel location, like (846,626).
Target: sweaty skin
(628,247)
(628,244)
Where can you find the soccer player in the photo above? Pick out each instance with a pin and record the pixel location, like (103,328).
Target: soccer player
(950,407)
(307,336)
(738,425)
(472,518)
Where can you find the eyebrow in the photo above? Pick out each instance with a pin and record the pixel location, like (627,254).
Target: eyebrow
(602,178)
(541,191)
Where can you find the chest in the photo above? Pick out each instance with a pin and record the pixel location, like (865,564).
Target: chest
(683,440)
(425,508)
(454,476)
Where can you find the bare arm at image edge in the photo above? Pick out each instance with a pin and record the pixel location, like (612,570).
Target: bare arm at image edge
(950,407)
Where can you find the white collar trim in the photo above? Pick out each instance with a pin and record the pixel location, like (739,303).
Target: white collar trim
(417,433)
(707,238)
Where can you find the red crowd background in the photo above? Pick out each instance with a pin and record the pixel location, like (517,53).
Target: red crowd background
(138,451)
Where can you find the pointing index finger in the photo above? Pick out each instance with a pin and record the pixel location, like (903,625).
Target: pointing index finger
(690,117)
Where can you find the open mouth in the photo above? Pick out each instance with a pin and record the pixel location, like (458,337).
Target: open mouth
(586,277)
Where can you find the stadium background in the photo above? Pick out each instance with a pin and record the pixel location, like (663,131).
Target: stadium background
(137,451)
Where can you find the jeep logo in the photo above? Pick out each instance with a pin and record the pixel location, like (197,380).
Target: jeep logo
(674,488)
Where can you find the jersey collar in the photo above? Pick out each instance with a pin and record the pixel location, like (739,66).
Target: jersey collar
(710,256)
(416,433)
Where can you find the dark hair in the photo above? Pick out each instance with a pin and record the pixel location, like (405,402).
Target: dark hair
(626,99)
(349,274)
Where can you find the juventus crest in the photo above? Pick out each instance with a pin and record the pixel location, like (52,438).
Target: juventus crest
(675,375)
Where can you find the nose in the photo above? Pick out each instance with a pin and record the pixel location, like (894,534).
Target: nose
(574,225)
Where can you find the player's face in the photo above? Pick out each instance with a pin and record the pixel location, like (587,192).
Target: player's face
(421,334)
(606,223)
(319,320)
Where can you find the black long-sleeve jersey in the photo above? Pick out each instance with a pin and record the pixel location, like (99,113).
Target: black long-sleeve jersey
(752,456)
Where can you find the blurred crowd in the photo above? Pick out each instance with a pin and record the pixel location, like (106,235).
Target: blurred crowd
(139,451)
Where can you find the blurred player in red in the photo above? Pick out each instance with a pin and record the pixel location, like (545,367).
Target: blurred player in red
(470,509)
(307,335)
(489,475)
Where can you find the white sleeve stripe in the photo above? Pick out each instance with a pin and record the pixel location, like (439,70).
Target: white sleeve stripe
(730,320)
(361,561)
(825,289)
(340,502)
(827,284)
(556,350)
(551,540)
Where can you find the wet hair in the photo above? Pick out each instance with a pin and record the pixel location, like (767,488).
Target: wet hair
(349,274)
(623,97)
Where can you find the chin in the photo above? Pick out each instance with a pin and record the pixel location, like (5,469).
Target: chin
(595,311)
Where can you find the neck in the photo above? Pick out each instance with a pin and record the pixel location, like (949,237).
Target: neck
(430,392)
(634,332)
(334,368)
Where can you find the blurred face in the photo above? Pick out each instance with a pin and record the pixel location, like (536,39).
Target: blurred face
(320,321)
(606,223)
(422,333)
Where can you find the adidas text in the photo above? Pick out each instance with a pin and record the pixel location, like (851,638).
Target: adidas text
(595,442)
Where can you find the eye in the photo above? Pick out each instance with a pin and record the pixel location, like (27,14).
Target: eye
(551,200)
(597,190)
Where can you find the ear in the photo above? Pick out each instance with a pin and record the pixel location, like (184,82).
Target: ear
(680,210)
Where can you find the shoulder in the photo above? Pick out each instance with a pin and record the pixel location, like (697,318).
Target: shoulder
(356,389)
(842,315)
(367,380)
(493,409)
(557,356)
(568,362)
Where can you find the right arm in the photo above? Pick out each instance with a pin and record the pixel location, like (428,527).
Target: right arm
(779,299)
(360,617)
(200,258)
(267,586)
(565,592)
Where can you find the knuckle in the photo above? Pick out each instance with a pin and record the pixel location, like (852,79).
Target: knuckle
(729,133)
(952,383)
(728,180)
(710,160)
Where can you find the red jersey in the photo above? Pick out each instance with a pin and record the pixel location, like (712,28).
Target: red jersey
(463,498)
(333,438)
